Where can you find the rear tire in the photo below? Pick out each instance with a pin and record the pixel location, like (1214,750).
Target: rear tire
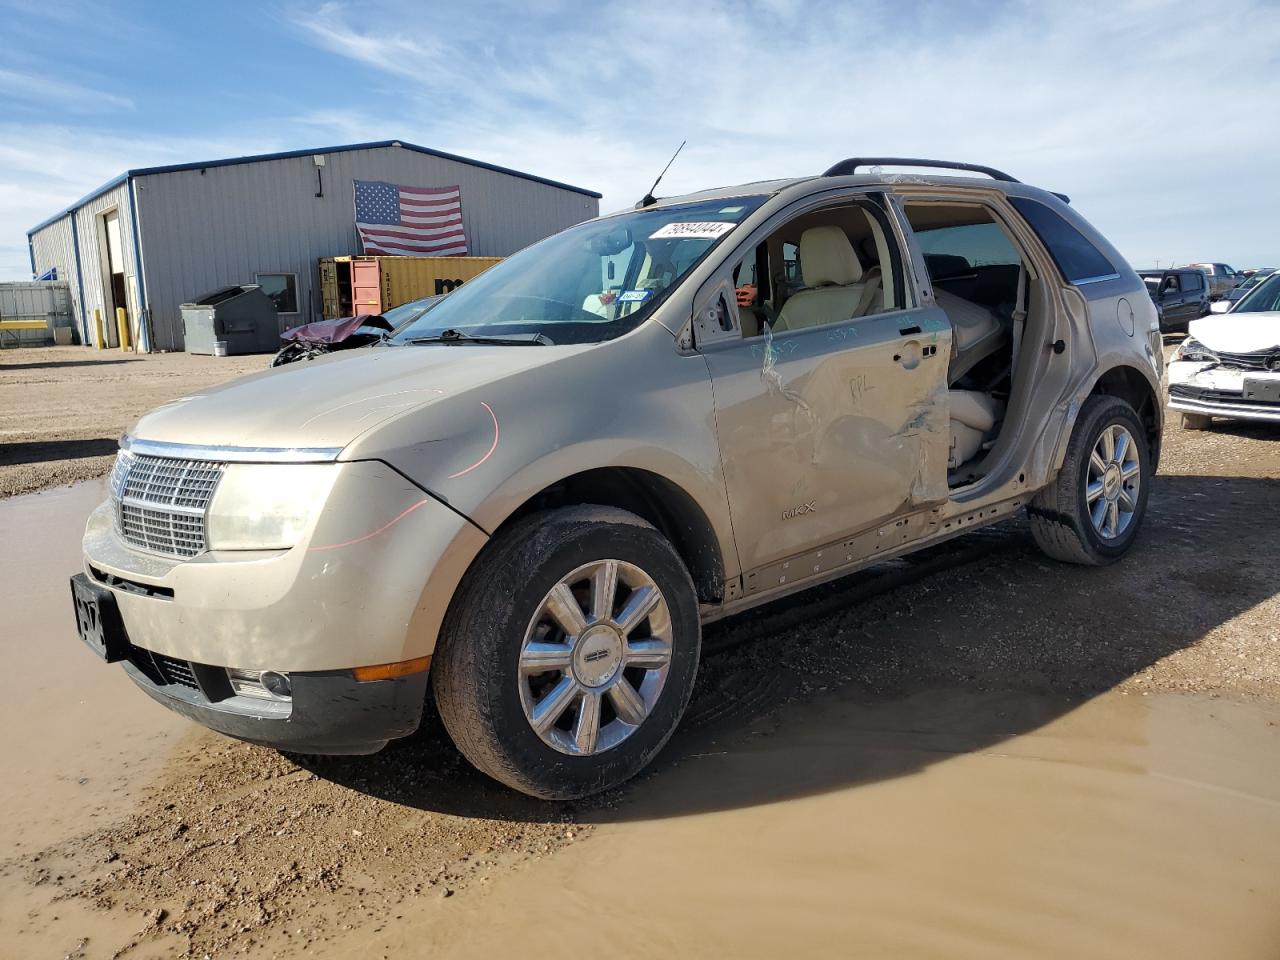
(1091,513)
(545,687)
(1196,421)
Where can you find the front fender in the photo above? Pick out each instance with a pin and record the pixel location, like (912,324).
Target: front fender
(636,401)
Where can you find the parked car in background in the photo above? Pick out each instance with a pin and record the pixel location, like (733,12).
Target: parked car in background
(1221,278)
(1180,295)
(313,340)
(1238,292)
(532,497)
(1229,366)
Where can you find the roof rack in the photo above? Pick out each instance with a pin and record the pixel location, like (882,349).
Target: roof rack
(845,167)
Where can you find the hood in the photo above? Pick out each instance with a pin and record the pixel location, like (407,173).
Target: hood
(328,402)
(333,331)
(1238,332)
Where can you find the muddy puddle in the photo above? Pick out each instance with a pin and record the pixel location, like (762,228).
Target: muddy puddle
(964,754)
(77,744)
(75,737)
(1130,827)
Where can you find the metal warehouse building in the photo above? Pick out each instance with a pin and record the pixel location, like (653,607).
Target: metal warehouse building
(155,238)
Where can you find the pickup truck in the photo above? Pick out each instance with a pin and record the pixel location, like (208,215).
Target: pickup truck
(1221,278)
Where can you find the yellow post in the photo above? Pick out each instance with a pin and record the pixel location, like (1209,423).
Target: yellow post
(97,329)
(122,327)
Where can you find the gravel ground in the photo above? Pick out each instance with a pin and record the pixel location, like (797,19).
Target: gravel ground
(239,846)
(62,409)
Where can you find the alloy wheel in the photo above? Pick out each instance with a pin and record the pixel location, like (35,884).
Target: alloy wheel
(595,657)
(1112,481)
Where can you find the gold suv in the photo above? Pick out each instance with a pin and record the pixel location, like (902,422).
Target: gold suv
(531,497)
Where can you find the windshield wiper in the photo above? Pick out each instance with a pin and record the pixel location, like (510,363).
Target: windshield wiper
(457,336)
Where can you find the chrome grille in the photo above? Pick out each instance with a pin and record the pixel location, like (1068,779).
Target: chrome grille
(161,502)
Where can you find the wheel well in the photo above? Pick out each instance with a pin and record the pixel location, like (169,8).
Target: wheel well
(1130,385)
(665,505)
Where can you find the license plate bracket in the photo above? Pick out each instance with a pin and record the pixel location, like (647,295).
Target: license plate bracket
(1265,391)
(98,619)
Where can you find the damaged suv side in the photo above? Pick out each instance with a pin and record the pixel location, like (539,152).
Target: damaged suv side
(533,497)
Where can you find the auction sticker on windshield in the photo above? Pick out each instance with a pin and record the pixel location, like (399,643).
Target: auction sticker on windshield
(693,230)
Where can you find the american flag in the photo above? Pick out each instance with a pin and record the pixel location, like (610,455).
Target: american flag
(415,221)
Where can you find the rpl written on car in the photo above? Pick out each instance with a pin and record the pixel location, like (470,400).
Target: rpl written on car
(532,497)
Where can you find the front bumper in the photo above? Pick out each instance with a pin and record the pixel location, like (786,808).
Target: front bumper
(1215,391)
(330,712)
(368,584)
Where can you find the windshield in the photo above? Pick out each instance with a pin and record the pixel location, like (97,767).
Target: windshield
(1265,296)
(590,283)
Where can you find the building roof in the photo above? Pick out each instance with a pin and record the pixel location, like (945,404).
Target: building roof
(289,154)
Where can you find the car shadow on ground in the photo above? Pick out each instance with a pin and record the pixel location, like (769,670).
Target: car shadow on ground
(42,451)
(1246,429)
(1000,639)
(65,364)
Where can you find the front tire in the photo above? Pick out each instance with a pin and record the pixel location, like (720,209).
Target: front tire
(569,654)
(1091,513)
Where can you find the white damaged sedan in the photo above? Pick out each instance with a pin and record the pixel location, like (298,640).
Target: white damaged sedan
(1229,364)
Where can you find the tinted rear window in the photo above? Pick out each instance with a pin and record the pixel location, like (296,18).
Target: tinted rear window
(1191,280)
(1077,258)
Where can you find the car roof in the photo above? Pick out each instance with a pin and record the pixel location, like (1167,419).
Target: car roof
(774,187)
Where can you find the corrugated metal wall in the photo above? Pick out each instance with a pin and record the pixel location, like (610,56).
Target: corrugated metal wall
(93,257)
(52,247)
(205,229)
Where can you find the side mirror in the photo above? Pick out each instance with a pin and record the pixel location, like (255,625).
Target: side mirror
(1219,306)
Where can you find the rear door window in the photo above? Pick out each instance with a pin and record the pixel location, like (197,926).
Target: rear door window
(1078,259)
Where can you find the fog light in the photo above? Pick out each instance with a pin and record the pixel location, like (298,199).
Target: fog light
(277,684)
(262,684)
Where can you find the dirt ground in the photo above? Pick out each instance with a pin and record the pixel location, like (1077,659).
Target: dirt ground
(973,751)
(62,409)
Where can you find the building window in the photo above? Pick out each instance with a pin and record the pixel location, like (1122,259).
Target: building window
(282,288)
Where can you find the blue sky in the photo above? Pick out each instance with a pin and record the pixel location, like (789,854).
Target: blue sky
(1159,119)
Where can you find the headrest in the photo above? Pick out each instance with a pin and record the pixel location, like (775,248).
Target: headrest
(827,257)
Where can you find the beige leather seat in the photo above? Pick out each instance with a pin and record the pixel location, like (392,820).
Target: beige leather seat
(973,416)
(976,332)
(832,274)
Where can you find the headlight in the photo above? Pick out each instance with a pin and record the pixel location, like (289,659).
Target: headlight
(1194,351)
(266,506)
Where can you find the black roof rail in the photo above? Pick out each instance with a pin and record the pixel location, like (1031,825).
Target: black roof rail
(845,167)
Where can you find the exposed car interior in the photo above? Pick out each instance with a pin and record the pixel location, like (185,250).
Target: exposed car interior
(981,280)
(829,268)
(819,276)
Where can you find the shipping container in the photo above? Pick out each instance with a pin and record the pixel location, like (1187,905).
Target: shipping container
(355,285)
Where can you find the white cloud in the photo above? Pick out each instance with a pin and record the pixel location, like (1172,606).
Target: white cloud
(45,90)
(1157,133)
(46,167)
(1158,124)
